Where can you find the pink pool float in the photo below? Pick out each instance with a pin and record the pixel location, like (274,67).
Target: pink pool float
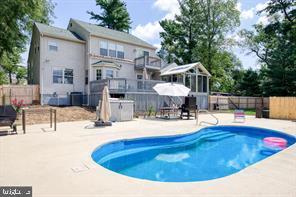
(275,142)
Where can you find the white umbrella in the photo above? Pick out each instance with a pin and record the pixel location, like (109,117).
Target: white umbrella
(171,89)
(105,108)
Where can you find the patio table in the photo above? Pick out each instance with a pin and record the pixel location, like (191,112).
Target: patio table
(166,112)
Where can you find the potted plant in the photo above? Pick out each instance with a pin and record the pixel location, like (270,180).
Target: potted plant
(17,105)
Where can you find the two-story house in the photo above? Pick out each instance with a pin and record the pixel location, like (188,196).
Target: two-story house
(67,60)
(85,57)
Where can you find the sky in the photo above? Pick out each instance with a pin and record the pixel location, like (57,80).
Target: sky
(145,15)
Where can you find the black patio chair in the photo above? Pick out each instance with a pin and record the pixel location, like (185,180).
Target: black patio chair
(188,107)
(8,116)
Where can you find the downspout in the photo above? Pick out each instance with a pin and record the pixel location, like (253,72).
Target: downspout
(89,69)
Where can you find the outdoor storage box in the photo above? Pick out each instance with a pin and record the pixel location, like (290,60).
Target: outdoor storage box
(121,110)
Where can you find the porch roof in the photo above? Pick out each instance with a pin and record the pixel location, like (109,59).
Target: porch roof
(175,69)
(106,64)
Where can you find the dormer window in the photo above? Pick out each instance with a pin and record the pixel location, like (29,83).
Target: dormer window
(112,49)
(103,48)
(52,46)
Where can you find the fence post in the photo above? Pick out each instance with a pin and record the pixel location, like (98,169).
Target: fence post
(50,114)
(24,120)
(247,103)
(55,119)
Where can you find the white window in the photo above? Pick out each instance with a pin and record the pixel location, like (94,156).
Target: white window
(63,76)
(103,48)
(109,74)
(98,74)
(52,46)
(68,76)
(120,51)
(58,75)
(112,49)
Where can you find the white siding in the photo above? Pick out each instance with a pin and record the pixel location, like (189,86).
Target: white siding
(69,55)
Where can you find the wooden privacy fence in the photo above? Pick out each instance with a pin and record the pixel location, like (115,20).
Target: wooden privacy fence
(282,108)
(28,93)
(233,102)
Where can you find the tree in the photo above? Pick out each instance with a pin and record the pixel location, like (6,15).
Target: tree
(114,15)
(21,74)
(223,76)
(198,33)
(250,83)
(3,77)
(16,20)
(275,46)
(10,62)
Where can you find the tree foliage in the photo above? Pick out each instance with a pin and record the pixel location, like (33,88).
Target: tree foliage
(250,83)
(275,46)
(11,69)
(114,15)
(198,34)
(16,20)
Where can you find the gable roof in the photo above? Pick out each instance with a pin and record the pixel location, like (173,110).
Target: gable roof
(175,69)
(57,32)
(112,34)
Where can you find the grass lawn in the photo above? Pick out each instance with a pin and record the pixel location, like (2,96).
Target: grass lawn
(250,112)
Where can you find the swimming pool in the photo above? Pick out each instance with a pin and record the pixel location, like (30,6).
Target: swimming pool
(209,153)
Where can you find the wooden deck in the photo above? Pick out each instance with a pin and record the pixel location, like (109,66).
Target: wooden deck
(148,62)
(140,91)
(122,85)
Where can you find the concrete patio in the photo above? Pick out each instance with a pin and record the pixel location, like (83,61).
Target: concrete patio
(59,163)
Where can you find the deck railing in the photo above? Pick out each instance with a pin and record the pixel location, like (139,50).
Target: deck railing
(147,61)
(122,85)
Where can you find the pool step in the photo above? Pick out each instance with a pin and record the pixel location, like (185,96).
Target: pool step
(208,136)
(213,136)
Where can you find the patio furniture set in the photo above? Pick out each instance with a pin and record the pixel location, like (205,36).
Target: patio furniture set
(186,110)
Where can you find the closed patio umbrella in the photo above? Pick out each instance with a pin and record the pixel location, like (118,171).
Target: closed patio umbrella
(105,108)
(171,89)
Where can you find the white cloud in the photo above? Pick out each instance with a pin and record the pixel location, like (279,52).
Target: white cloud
(158,46)
(247,14)
(261,6)
(239,6)
(167,5)
(148,32)
(263,19)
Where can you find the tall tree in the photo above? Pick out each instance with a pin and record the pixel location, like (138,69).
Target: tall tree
(16,20)
(198,33)
(250,83)
(114,15)
(275,46)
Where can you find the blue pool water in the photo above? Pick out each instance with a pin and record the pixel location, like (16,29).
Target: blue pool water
(210,153)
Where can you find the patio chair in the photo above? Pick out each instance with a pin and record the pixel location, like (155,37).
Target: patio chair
(189,107)
(7,117)
(239,115)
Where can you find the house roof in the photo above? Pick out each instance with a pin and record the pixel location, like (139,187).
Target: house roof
(112,34)
(175,69)
(57,32)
